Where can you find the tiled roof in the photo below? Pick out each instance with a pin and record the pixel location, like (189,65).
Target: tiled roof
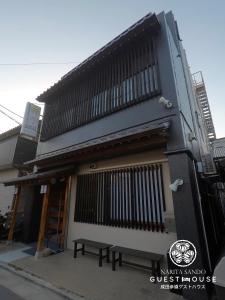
(219,148)
(38,177)
(125,133)
(147,23)
(10,133)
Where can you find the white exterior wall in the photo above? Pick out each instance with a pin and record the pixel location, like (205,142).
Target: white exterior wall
(7,147)
(6,192)
(138,239)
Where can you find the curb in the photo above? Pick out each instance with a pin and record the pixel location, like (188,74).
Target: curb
(66,294)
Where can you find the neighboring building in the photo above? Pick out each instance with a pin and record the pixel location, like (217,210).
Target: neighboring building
(219,149)
(205,117)
(117,131)
(201,95)
(14,151)
(219,159)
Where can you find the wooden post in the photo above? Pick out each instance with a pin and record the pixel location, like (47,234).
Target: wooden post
(41,236)
(14,213)
(65,213)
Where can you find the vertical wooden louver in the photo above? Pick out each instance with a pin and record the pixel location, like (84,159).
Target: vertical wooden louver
(127,77)
(131,197)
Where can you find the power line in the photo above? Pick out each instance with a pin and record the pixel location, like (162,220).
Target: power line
(39,63)
(9,117)
(11,111)
(16,113)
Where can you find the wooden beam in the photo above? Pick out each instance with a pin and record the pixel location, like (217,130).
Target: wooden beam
(65,212)
(14,213)
(109,150)
(41,236)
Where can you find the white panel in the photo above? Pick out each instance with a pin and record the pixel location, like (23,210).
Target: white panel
(7,147)
(30,121)
(6,192)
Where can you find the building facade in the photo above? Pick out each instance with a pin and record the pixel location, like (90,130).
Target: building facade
(219,160)
(117,131)
(14,151)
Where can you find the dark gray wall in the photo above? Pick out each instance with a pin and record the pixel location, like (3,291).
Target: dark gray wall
(175,86)
(148,111)
(187,102)
(15,150)
(25,151)
(187,210)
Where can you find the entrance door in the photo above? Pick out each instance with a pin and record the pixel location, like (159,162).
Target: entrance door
(56,214)
(32,202)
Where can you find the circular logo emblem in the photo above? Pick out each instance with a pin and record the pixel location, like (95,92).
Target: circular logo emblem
(182,253)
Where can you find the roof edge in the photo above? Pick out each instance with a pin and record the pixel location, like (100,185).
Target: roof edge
(10,133)
(138,27)
(101,141)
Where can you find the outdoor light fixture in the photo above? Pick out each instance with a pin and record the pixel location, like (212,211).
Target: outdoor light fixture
(35,169)
(174,186)
(165,102)
(93,166)
(191,137)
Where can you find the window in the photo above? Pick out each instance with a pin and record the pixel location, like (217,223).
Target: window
(126,77)
(131,197)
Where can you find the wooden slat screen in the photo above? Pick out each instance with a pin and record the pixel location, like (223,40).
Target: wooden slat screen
(131,197)
(127,77)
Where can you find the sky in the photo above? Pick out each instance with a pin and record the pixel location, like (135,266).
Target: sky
(68,31)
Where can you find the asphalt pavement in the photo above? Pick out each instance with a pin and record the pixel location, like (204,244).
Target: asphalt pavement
(14,287)
(7,294)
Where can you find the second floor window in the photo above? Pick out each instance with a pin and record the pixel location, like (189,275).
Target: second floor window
(126,77)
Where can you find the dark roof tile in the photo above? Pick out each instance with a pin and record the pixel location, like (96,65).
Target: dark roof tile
(10,133)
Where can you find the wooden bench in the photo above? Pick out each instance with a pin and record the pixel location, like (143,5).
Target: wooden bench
(153,257)
(100,246)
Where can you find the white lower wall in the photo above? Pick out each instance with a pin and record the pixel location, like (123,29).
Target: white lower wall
(131,238)
(138,239)
(6,192)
